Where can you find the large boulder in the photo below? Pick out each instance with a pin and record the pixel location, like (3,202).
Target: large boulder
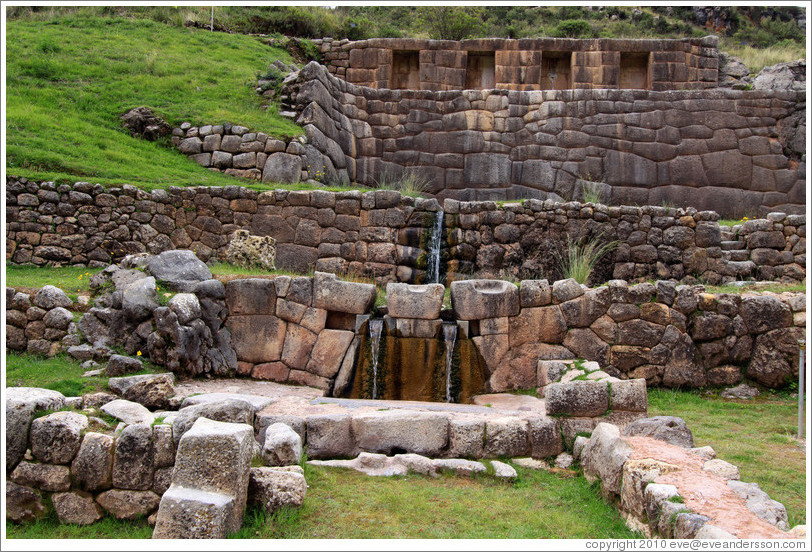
(120,365)
(179,268)
(478,299)
(330,436)
(186,513)
(782,76)
(774,360)
(49,297)
(274,488)
(670,429)
(282,447)
(45,477)
(133,466)
(55,438)
(506,437)
(412,301)
(577,398)
(143,122)
(21,403)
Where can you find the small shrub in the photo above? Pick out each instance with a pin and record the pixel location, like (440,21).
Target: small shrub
(310,50)
(574,28)
(407,183)
(592,192)
(580,257)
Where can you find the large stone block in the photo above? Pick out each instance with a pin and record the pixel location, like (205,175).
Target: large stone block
(506,436)
(478,299)
(384,431)
(328,352)
(55,438)
(215,457)
(537,324)
(333,294)
(413,301)
(282,167)
(133,466)
(129,504)
(77,508)
(274,488)
(24,504)
(545,437)
(466,437)
(46,477)
(128,412)
(257,338)
(330,436)
(670,429)
(251,296)
(603,457)
(577,398)
(233,410)
(629,395)
(179,268)
(186,513)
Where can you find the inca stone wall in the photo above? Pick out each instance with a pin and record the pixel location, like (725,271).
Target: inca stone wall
(384,235)
(523,64)
(738,152)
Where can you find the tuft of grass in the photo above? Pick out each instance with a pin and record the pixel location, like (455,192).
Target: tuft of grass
(757,59)
(592,192)
(409,182)
(762,452)
(581,256)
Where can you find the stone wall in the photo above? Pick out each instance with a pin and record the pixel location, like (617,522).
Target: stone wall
(384,235)
(526,239)
(673,336)
(39,325)
(523,64)
(737,152)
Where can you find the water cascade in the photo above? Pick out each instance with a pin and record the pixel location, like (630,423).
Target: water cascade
(450,337)
(433,260)
(375,329)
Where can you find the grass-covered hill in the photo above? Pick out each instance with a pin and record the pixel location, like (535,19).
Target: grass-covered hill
(73,71)
(70,78)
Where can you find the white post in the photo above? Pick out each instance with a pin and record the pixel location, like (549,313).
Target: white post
(212,19)
(802,353)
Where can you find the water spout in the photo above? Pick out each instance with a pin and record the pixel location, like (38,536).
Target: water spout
(450,336)
(433,261)
(375,329)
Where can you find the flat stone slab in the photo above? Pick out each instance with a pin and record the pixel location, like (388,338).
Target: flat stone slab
(128,412)
(258,401)
(354,404)
(40,399)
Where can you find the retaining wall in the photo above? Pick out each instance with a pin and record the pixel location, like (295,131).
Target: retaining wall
(737,152)
(384,235)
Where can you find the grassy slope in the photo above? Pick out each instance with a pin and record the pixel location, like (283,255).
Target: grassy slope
(69,80)
(755,435)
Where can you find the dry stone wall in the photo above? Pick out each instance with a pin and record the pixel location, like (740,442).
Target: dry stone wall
(738,152)
(42,324)
(384,235)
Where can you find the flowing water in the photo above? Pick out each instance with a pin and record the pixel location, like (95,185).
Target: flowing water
(375,329)
(433,261)
(450,336)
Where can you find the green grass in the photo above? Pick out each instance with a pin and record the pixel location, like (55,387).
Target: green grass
(60,373)
(69,79)
(106,528)
(346,504)
(757,435)
(73,280)
(774,288)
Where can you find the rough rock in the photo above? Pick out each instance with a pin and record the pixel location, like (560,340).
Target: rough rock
(128,504)
(128,412)
(92,468)
(478,299)
(419,432)
(24,504)
(55,438)
(179,268)
(282,447)
(604,455)
(228,410)
(45,477)
(186,513)
(506,437)
(120,365)
(139,300)
(721,468)
(503,471)
(77,508)
(274,488)
(760,503)
(459,466)
(151,390)
(670,429)
(741,391)
(330,436)
(577,398)
(49,297)
(133,466)
(332,294)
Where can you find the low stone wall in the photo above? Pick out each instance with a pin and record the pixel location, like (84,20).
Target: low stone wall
(41,325)
(738,152)
(528,238)
(384,235)
(665,489)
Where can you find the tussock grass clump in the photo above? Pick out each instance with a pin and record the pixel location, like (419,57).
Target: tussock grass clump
(581,256)
(409,182)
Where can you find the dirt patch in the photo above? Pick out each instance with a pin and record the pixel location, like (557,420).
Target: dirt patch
(703,492)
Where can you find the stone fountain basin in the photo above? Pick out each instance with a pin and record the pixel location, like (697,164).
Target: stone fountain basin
(414,301)
(480,299)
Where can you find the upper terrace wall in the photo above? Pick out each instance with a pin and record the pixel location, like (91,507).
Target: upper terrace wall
(736,152)
(525,64)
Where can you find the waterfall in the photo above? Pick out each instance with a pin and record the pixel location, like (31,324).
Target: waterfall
(450,336)
(433,261)
(375,329)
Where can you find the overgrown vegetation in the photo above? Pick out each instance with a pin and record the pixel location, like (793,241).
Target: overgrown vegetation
(73,280)
(580,257)
(757,435)
(409,182)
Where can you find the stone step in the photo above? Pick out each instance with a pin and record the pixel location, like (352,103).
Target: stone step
(732,245)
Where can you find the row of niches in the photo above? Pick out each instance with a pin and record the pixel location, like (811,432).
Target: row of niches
(554,72)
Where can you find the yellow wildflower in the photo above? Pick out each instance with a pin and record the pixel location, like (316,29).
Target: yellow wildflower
(138,353)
